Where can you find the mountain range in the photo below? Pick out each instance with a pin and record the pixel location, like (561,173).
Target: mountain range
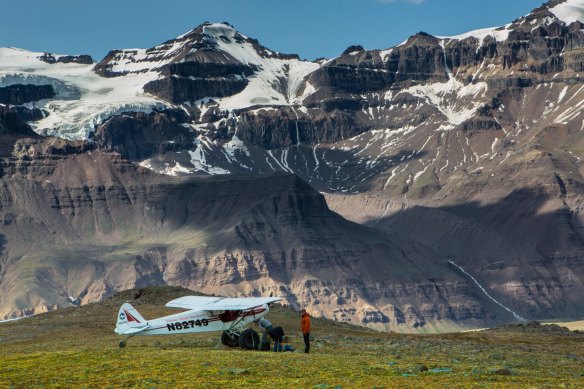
(433,185)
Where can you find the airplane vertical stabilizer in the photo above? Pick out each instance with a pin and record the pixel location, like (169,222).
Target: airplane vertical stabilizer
(129,320)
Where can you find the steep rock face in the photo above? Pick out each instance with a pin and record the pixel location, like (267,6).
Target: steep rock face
(138,136)
(541,47)
(192,81)
(178,90)
(286,127)
(359,71)
(13,128)
(13,120)
(21,94)
(83,59)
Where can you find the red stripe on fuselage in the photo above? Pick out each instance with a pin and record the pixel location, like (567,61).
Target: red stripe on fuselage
(254,311)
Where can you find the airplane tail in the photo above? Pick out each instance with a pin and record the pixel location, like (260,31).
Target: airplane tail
(129,320)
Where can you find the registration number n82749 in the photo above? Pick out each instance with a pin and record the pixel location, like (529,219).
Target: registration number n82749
(183,325)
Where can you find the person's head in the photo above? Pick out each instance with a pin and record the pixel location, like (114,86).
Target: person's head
(303,311)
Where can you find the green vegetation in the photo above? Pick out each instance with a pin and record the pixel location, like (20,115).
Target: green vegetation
(76,347)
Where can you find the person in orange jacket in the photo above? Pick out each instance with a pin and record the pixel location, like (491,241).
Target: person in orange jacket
(305,327)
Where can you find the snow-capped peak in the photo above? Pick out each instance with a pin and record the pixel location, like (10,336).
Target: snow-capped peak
(217,30)
(567,11)
(209,40)
(225,39)
(271,68)
(212,30)
(87,94)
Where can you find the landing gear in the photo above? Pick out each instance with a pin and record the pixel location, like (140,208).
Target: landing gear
(122,344)
(249,340)
(230,338)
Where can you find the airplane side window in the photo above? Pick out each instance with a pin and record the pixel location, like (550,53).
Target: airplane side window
(228,316)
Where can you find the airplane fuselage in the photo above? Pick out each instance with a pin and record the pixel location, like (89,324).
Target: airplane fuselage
(200,321)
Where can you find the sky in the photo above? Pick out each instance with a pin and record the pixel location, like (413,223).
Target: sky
(310,28)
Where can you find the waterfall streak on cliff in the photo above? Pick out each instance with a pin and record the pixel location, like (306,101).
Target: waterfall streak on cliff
(515,315)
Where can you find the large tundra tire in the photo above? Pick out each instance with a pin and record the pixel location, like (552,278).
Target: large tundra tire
(229,340)
(249,340)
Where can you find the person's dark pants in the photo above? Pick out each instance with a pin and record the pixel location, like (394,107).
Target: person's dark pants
(306,342)
(278,344)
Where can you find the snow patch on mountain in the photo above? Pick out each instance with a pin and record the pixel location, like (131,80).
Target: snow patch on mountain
(135,60)
(84,98)
(147,60)
(77,119)
(176,170)
(498,33)
(569,11)
(199,161)
(456,101)
(384,54)
(235,144)
(277,82)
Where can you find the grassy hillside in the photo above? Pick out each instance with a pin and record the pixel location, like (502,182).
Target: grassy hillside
(76,347)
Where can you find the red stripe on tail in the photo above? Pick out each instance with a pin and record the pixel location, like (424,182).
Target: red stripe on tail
(130,317)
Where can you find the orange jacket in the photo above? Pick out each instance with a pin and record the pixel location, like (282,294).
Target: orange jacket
(305,323)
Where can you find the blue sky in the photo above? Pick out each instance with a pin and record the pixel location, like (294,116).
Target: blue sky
(311,28)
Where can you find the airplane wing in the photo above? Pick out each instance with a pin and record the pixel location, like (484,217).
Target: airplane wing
(192,302)
(200,303)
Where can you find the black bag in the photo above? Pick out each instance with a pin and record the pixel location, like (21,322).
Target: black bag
(265,346)
(277,333)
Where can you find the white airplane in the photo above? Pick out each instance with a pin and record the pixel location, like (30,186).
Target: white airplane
(204,314)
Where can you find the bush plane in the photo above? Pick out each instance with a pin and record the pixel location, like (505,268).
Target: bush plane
(203,314)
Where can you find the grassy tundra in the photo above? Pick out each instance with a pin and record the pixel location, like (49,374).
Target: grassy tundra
(76,347)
